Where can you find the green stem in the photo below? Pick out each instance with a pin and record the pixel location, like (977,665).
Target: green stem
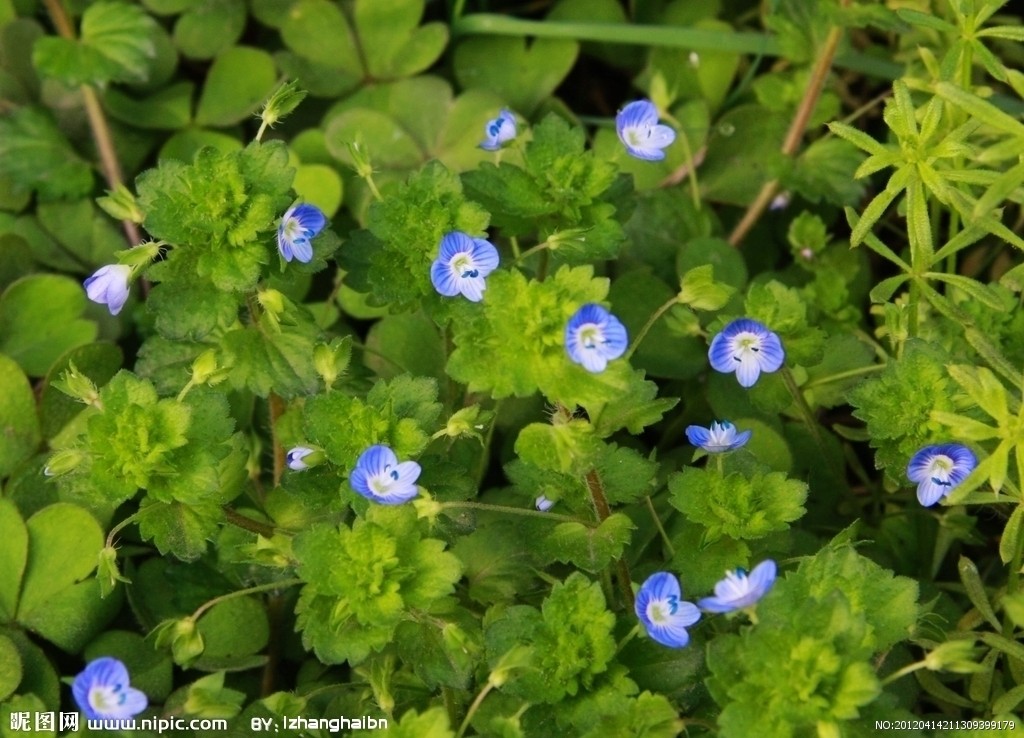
(839,376)
(473,708)
(516,253)
(660,527)
(805,409)
(101,134)
(261,131)
(242,593)
(530,251)
(914,324)
(119,527)
(467,505)
(648,325)
(908,669)
(628,637)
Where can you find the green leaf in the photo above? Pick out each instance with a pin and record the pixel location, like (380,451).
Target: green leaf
(56,603)
(700,291)
(209,27)
(392,39)
(96,361)
(982,386)
(318,31)
(217,212)
(496,564)
(35,155)
(522,76)
(736,506)
(13,557)
(238,82)
(361,581)
(433,723)
(115,45)
(168,109)
(591,549)
(405,234)
(40,319)
(10,667)
(743,154)
(181,530)
(19,424)
(405,343)
(979,109)
(232,632)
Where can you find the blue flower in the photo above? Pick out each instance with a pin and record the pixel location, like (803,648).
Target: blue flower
(102,691)
(747,348)
(662,614)
(543,503)
(499,130)
(593,337)
(718,438)
(379,477)
(937,470)
(463,265)
(639,130)
(109,286)
(295,457)
(299,225)
(739,591)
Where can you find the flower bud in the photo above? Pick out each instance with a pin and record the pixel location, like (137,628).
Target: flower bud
(75,384)
(64,462)
(184,639)
(107,573)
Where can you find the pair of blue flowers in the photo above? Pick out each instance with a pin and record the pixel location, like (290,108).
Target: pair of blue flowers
(636,125)
(665,616)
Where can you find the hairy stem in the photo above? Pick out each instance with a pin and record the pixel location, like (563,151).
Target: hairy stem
(508,510)
(795,134)
(101,135)
(246,523)
(597,495)
(269,587)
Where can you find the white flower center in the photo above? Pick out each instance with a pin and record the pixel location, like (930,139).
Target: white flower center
(104,697)
(463,266)
(744,344)
(382,482)
(940,469)
(590,335)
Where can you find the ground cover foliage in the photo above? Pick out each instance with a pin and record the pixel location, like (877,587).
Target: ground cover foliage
(418,458)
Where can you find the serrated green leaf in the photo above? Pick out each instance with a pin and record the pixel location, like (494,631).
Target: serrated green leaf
(735,506)
(591,549)
(116,44)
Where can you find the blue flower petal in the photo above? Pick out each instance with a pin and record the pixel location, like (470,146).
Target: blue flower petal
(472,288)
(929,492)
(311,219)
(748,369)
(376,459)
(720,354)
(615,337)
(741,439)
(453,243)
(108,286)
(485,256)
(771,355)
(443,279)
(302,250)
(698,436)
